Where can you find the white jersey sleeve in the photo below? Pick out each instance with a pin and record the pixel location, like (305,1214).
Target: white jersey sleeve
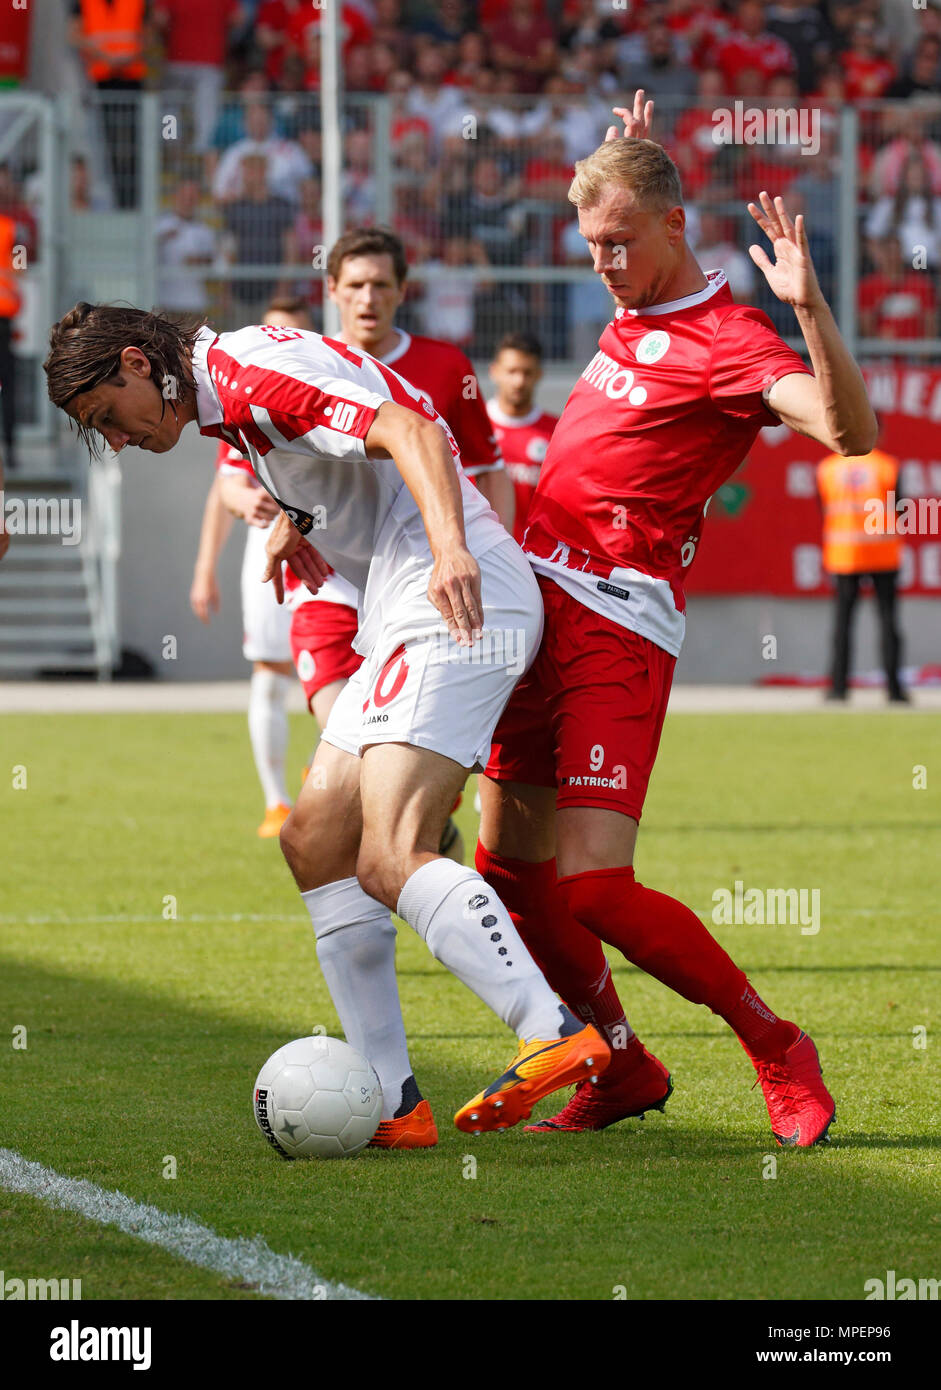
(295,391)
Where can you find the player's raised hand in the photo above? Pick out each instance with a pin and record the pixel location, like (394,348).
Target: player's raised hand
(791,275)
(454,590)
(637,120)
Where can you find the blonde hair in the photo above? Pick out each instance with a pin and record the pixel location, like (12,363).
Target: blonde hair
(641,167)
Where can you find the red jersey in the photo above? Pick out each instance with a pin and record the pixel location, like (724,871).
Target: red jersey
(866,78)
(906,304)
(523,441)
(197,33)
(446,378)
(768,54)
(355,27)
(662,415)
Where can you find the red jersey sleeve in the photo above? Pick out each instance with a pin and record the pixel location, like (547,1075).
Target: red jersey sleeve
(230,460)
(747,357)
(471,426)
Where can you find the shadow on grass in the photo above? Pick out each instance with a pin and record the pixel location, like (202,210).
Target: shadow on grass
(114,1079)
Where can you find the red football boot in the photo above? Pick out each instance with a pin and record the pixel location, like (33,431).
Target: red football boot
(800,1107)
(629,1088)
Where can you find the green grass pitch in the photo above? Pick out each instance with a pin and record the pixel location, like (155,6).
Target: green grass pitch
(145,1031)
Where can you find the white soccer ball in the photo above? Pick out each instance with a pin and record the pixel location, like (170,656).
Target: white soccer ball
(317,1097)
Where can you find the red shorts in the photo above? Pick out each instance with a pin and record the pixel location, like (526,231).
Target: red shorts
(321,643)
(587,716)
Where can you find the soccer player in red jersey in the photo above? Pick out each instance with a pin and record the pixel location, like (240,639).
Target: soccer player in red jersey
(683,380)
(522,429)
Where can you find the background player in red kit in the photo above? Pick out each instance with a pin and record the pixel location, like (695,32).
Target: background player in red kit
(523,430)
(666,410)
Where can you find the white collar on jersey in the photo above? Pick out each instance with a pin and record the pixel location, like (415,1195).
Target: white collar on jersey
(510,422)
(716,278)
(208,409)
(400,349)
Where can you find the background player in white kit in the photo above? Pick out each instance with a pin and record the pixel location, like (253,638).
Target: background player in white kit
(266,625)
(450,618)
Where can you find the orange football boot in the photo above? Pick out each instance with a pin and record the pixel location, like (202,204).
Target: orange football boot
(540,1067)
(416,1130)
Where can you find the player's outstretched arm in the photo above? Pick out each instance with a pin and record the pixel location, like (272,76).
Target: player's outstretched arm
(420,451)
(217,523)
(832,406)
(637,120)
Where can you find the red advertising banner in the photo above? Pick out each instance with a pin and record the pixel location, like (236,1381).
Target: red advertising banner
(763,527)
(15,18)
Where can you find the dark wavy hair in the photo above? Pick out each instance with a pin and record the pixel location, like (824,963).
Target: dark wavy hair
(85,349)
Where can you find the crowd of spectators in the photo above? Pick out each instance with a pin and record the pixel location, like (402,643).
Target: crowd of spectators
(493,101)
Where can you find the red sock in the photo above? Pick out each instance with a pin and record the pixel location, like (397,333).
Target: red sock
(667,940)
(569,955)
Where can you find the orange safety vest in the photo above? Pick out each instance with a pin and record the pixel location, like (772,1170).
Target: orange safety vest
(859,534)
(117,26)
(10,297)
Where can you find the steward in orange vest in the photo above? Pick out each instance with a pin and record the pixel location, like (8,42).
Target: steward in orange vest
(111,36)
(860,539)
(112,39)
(10,297)
(848,489)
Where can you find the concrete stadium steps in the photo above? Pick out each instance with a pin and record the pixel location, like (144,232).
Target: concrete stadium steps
(48,604)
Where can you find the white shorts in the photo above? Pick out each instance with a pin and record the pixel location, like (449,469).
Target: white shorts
(266,624)
(433,693)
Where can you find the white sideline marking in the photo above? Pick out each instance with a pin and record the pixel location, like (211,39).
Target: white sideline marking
(248,1261)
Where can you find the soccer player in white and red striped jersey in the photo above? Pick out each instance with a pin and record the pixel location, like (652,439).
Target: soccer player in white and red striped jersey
(449,617)
(664,413)
(523,430)
(366,279)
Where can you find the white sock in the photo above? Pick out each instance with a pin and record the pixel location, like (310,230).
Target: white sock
(268,730)
(356,950)
(466,927)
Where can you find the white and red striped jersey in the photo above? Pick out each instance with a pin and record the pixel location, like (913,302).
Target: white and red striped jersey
(300,406)
(332,590)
